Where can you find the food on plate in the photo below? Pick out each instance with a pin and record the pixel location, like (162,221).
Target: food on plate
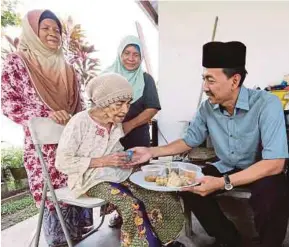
(190,174)
(161,181)
(152,171)
(175,180)
(170,175)
(150,178)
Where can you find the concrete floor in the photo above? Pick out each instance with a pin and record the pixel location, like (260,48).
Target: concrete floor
(237,209)
(21,234)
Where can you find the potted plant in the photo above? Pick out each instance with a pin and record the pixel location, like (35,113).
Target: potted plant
(12,158)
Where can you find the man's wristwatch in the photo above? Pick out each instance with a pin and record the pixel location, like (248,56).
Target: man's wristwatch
(228,185)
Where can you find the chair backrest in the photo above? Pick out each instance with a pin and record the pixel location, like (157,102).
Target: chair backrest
(44,131)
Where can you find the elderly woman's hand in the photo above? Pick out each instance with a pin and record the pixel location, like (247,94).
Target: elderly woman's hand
(60,117)
(116,160)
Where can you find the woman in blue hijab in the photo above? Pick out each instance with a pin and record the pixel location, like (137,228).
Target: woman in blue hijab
(145,103)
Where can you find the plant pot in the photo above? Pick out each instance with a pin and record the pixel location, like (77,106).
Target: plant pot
(18,173)
(4,174)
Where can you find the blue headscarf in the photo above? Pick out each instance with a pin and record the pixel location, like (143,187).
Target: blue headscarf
(135,77)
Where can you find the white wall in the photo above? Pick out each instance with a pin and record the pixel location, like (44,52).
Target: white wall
(185,26)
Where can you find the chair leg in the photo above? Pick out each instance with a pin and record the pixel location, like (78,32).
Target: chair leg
(188,224)
(40,218)
(58,210)
(97,228)
(32,238)
(188,219)
(54,199)
(101,222)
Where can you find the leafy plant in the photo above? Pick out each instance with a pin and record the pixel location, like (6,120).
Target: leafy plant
(12,207)
(8,15)
(17,210)
(79,52)
(13,43)
(12,158)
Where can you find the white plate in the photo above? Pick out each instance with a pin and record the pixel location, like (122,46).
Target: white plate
(138,178)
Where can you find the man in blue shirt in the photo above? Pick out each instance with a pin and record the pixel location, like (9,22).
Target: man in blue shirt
(241,123)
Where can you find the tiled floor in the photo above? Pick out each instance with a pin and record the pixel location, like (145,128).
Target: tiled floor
(237,210)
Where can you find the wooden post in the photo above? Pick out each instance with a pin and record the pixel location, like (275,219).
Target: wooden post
(146,57)
(215,28)
(213,39)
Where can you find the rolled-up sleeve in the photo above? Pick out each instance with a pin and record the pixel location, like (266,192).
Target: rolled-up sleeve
(273,130)
(197,131)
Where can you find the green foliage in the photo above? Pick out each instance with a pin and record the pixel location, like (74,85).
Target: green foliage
(12,157)
(79,52)
(8,15)
(13,206)
(17,210)
(9,18)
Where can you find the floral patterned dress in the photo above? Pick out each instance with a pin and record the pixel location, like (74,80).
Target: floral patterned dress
(150,218)
(20,103)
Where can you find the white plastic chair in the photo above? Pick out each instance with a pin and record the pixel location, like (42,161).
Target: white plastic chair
(46,131)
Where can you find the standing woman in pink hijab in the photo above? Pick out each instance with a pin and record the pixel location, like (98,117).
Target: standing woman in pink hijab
(38,82)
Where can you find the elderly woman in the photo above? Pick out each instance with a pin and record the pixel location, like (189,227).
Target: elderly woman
(90,153)
(37,82)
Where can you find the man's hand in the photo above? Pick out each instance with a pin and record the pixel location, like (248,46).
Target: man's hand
(140,155)
(60,117)
(208,185)
(127,127)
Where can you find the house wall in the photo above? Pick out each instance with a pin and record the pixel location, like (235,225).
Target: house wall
(185,26)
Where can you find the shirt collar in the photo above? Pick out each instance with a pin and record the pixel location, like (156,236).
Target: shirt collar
(242,101)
